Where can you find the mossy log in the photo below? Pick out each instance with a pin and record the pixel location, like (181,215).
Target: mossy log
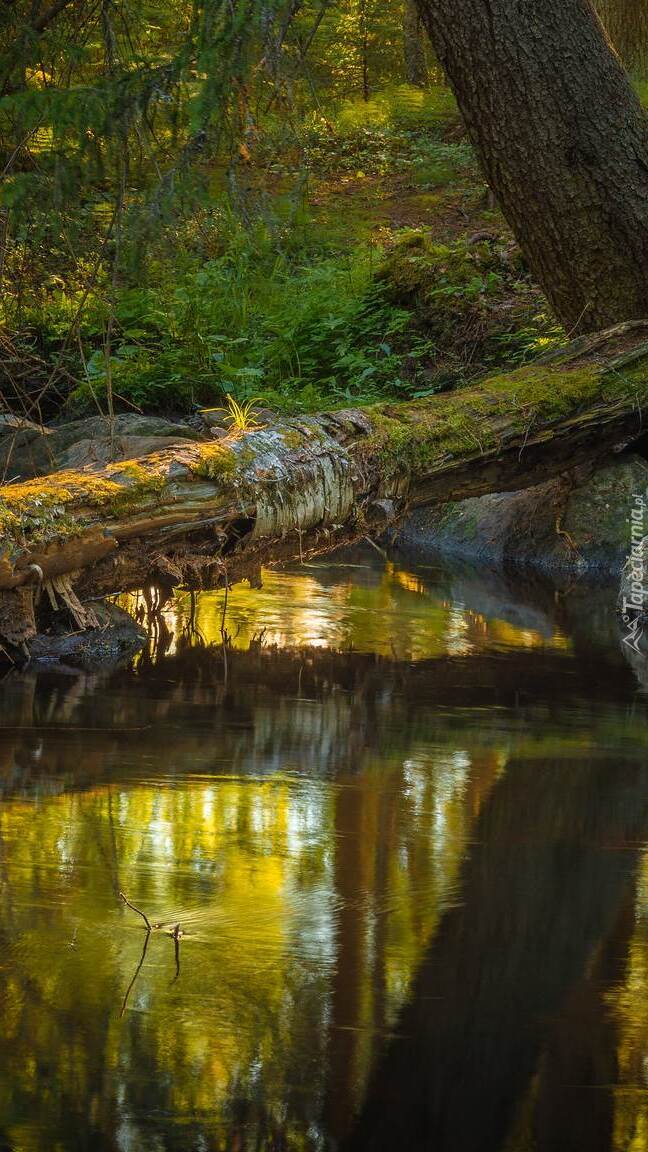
(207,513)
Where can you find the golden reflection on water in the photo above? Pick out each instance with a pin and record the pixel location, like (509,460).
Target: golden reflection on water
(361,855)
(365,608)
(628,1004)
(304,905)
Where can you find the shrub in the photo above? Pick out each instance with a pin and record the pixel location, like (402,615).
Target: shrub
(472,299)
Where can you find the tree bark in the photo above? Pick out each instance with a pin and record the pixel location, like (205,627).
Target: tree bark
(416,70)
(207,513)
(563,142)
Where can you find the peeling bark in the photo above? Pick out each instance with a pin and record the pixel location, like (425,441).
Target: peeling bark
(206,514)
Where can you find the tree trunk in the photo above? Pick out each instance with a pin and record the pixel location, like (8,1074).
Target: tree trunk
(414,46)
(207,513)
(626,23)
(364,48)
(563,143)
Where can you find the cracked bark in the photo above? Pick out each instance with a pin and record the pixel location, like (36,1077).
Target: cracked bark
(563,143)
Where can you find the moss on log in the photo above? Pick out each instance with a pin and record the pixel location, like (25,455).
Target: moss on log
(201,514)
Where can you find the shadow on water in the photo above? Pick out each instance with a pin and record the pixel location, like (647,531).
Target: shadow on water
(511,991)
(398,855)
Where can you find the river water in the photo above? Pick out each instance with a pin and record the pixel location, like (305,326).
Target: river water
(396,843)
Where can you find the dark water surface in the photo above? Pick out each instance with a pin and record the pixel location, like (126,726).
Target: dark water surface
(411,877)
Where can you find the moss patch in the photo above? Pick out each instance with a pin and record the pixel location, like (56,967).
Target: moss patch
(52,504)
(214,460)
(292,438)
(419,437)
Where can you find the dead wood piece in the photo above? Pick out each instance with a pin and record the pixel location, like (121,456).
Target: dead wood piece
(136,909)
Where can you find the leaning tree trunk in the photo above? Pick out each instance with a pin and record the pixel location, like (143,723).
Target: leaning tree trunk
(416,70)
(207,513)
(563,143)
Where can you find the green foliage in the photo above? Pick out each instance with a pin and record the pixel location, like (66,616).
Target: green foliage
(401,128)
(239,416)
(473,299)
(187,215)
(304,334)
(245,324)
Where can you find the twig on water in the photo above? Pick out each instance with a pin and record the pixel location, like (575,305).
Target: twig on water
(177,936)
(138,910)
(223,629)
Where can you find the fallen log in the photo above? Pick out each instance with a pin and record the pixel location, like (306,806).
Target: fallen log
(206,514)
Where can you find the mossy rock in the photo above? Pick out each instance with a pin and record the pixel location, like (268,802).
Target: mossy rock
(28,450)
(578,530)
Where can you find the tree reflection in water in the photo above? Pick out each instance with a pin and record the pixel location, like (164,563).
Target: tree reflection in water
(407,890)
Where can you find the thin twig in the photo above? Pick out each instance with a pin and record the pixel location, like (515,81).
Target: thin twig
(176,946)
(223,629)
(138,910)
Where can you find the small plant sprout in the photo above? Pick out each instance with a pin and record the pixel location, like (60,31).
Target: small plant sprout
(241,417)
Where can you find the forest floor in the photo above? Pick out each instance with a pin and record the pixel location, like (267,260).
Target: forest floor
(356,260)
(348,256)
(380,206)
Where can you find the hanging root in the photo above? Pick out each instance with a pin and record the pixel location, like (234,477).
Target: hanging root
(560,531)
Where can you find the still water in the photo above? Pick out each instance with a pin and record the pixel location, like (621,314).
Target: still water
(403,829)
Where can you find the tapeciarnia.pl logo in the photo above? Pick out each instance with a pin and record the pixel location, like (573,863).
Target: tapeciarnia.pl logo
(635,598)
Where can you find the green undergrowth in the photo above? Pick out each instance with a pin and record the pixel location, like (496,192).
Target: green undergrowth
(281,288)
(473,299)
(315,333)
(401,129)
(303,333)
